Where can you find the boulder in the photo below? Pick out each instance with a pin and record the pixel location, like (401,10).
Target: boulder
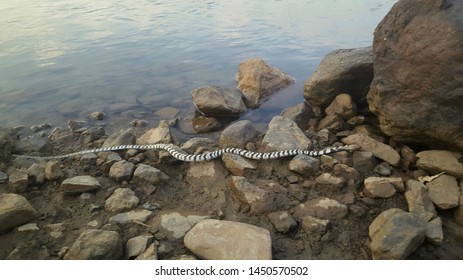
(416,91)
(444,191)
(80,184)
(257,81)
(342,71)
(15,210)
(284,134)
(379,150)
(226,240)
(437,161)
(213,101)
(395,234)
(419,202)
(159,134)
(94,244)
(121,199)
(238,134)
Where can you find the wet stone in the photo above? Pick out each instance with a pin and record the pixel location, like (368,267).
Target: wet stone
(80,184)
(283,221)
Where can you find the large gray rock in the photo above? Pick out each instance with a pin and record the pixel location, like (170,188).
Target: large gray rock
(80,184)
(94,244)
(15,210)
(284,134)
(225,240)
(379,150)
(419,202)
(238,134)
(437,161)
(215,101)
(416,91)
(121,199)
(341,71)
(257,80)
(395,234)
(444,191)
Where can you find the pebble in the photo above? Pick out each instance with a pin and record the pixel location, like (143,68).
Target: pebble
(15,210)
(141,215)
(94,244)
(121,170)
(444,191)
(122,199)
(80,184)
(381,169)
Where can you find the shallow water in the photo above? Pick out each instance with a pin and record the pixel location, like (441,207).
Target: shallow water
(63,59)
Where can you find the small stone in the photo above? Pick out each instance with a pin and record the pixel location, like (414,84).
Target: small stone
(419,202)
(15,210)
(18,181)
(363,161)
(381,169)
(283,221)
(304,165)
(121,170)
(148,174)
(28,227)
(434,233)
(89,159)
(382,187)
(238,165)
(444,191)
(56,230)
(137,245)
(346,172)
(63,252)
(215,101)
(128,217)
(284,134)
(437,161)
(122,137)
(80,184)
(328,161)
(36,173)
(93,224)
(121,199)
(225,240)
(139,123)
(92,134)
(76,125)
(177,224)
(94,244)
(327,179)
(53,170)
(322,208)
(314,225)
(97,115)
(379,150)
(292,179)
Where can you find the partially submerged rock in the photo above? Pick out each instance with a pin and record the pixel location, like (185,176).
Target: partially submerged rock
(214,101)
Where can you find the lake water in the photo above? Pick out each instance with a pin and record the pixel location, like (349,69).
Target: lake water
(63,59)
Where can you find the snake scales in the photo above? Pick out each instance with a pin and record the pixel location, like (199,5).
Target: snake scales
(179,154)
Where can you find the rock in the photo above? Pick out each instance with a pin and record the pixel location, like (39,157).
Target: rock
(121,170)
(329,123)
(36,173)
(141,215)
(437,161)
(341,71)
(458,214)
(214,101)
(327,179)
(311,224)
(364,162)
(147,174)
(379,150)
(80,184)
(433,232)
(395,234)
(205,124)
(137,245)
(346,172)
(3,177)
(283,221)
(121,199)
(257,81)
(203,173)
(178,224)
(382,187)
(159,134)
(167,113)
(300,114)
(342,106)
(53,170)
(198,144)
(139,123)
(75,125)
(238,134)
(56,230)
(408,72)
(284,134)
(419,202)
(97,116)
(322,208)
(15,210)
(238,165)
(94,244)
(304,165)
(122,137)
(444,191)
(91,134)
(382,169)
(28,227)
(226,240)
(151,253)
(263,198)
(18,181)
(40,127)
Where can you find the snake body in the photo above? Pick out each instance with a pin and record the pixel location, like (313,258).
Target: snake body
(179,154)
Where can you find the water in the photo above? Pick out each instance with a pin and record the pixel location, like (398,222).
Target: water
(63,59)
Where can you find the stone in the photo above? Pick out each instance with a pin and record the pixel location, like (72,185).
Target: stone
(238,134)
(91,134)
(36,173)
(258,81)
(53,170)
(300,114)
(80,184)
(203,173)
(147,174)
(178,224)
(342,106)
(151,253)
(346,172)
(416,91)
(382,169)
(433,232)
(342,71)
(122,137)
(122,199)
(311,224)
(137,245)
(437,161)
(97,115)
(444,191)
(238,165)
(458,214)
(15,210)
(94,244)
(328,179)
(28,227)
(266,197)
(327,124)
(226,240)
(284,134)
(205,124)
(159,134)
(363,161)
(121,170)
(56,230)
(18,181)
(213,101)
(419,202)
(141,215)
(76,125)
(322,208)
(198,144)
(283,221)
(380,187)
(3,177)
(395,234)
(304,165)
(379,150)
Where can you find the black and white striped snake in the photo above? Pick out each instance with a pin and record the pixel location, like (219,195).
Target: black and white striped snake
(179,154)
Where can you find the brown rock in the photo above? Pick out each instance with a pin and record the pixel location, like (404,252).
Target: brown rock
(95,244)
(379,150)
(342,106)
(18,181)
(238,134)
(53,170)
(283,221)
(159,134)
(419,202)
(322,208)
(437,161)
(238,165)
(444,191)
(214,101)
(284,134)
(15,210)
(205,124)
(382,187)
(80,184)
(122,199)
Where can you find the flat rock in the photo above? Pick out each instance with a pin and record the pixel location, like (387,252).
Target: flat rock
(80,184)
(159,134)
(419,201)
(444,191)
(137,245)
(304,165)
(225,240)
(215,101)
(395,234)
(379,150)
(328,179)
(437,161)
(148,174)
(283,221)
(94,244)
(238,165)
(284,134)
(121,170)
(322,208)
(382,187)
(342,106)
(15,210)
(238,134)
(122,199)
(257,81)
(18,181)
(141,215)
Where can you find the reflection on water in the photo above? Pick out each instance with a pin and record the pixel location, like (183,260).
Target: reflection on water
(63,59)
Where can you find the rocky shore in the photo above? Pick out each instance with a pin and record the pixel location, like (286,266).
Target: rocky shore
(398,197)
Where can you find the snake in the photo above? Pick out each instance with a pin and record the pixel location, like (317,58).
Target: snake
(181,155)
